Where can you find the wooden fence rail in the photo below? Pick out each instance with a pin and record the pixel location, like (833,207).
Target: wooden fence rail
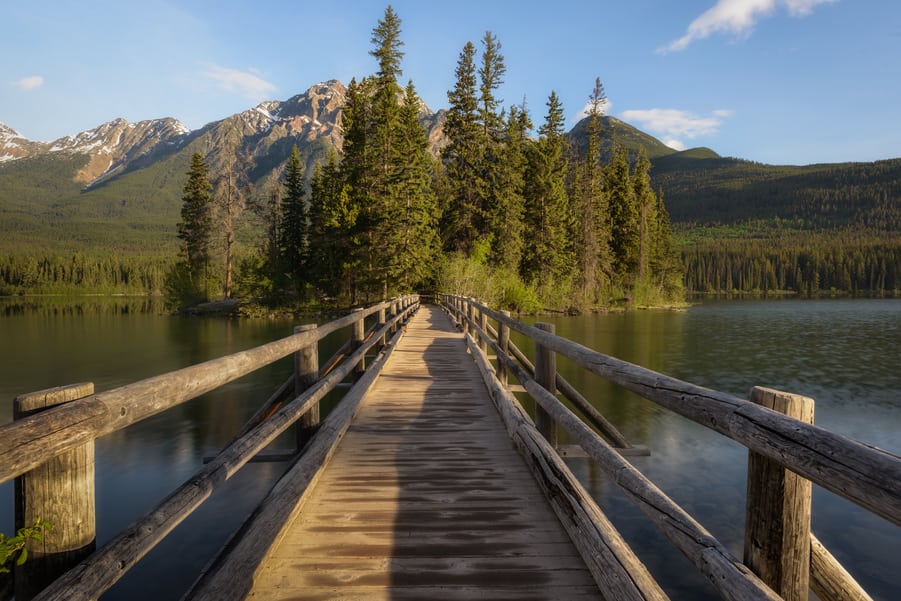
(777,443)
(45,435)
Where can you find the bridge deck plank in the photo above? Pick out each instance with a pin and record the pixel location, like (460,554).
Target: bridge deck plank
(425,496)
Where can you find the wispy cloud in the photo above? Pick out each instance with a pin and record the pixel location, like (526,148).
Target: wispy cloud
(32,82)
(247,83)
(676,125)
(738,17)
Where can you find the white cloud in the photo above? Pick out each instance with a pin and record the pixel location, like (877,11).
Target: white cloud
(676,125)
(247,82)
(738,17)
(605,110)
(31,82)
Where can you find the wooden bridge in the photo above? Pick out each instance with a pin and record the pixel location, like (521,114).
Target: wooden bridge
(430,481)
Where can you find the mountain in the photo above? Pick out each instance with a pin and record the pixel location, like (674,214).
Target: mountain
(118,186)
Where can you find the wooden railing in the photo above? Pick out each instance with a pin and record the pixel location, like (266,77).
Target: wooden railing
(49,448)
(786,454)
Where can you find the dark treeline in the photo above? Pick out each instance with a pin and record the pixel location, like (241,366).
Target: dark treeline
(81,274)
(810,264)
(516,220)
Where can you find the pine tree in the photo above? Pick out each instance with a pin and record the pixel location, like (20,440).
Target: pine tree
(333,216)
(592,229)
(548,259)
(463,218)
(646,202)
(507,208)
(295,226)
(196,226)
(491,77)
(624,239)
(410,238)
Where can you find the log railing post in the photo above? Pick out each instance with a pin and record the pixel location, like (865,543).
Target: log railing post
(382,338)
(393,313)
(60,492)
(503,341)
(546,376)
(467,312)
(777,517)
(357,334)
(483,338)
(306,373)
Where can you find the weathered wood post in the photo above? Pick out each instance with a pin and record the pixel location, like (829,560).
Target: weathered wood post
(383,338)
(503,341)
(306,373)
(546,375)
(394,310)
(777,517)
(483,338)
(357,334)
(60,492)
(466,311)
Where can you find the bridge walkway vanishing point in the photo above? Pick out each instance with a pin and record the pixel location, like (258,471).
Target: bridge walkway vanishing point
(425,497)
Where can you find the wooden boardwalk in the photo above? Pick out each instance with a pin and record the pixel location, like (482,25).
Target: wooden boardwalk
(425,497)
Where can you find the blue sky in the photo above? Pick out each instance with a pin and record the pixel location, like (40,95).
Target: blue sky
(775,81)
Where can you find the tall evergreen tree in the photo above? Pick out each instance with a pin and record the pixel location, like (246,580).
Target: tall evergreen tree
(506,212)
(592,230)
(333,216)
(548,259)
(463,218)
(646,204)
(195,229)
(410,237)
(231,190)
(491,77)
(294,223)
(624,238)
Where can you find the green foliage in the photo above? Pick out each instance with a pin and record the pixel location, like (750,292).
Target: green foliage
(294,225)
(13,549)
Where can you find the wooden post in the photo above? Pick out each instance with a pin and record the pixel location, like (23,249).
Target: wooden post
(467,310)
(483,338)
(306,373)
(383,338)
(394,314)
(357,335)
(777,518)
(61,492)
(503,340)
(546,376)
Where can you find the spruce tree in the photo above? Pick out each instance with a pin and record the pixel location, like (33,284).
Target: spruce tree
(294,223)
(548,258)
(646,204)
(410,238)
(333,216)
(507,211)
(196,226)
(592,229)
(624,238)
(463,215)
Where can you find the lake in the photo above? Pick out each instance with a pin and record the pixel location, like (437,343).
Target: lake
(842,353)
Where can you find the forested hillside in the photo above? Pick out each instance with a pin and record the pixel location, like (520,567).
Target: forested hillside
(745,227)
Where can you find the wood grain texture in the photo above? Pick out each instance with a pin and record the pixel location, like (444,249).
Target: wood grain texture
(425,497)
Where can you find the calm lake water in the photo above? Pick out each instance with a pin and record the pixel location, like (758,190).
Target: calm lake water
(843,353)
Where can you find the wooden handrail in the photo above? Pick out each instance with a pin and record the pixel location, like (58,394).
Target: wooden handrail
(866,475)
(27,443)
(104,568)
(731,578)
